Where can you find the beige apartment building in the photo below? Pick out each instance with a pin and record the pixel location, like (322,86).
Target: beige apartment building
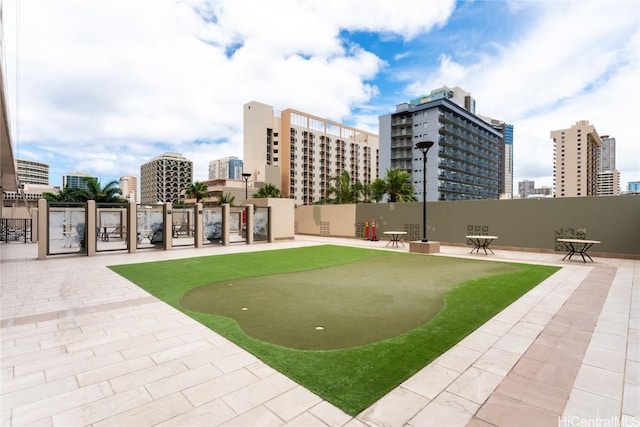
(299,153)
(129,188)
(575,160)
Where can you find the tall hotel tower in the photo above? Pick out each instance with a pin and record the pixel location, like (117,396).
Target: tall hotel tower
(300,153)
(575,160)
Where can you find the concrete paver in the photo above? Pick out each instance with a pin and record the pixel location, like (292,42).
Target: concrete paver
(80,345)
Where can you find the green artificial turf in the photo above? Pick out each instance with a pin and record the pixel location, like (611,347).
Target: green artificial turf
(355,377)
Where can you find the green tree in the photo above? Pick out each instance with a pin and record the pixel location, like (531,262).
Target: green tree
(343,191)
(109,193)
(226,198)
(397,185)
(378,189)
(198,190)
(268,190)
(67,194)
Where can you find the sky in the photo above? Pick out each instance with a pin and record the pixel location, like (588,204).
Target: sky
(103,86)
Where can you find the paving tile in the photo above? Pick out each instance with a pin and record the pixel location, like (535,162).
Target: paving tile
(547,397)
(83,366)
(607,359)
(151,413)
(431,380)
(22,382)
(146,375)
(37,392)
(149,347)
(514,343)
(113,371)
(59,403)
(305,419)
(292,403)
(445,410)
(220,386)
(631,400)
(102,409)
(608,341)
(235,361)
(394,409)
(181,381)
(497,361)
(584,406)
(329,414)
(479,341)
(501,410)
(179,351)
(258,393)
(458,358)
(475,385)
(211,413)
(600,381)
(259,416)
(632,372)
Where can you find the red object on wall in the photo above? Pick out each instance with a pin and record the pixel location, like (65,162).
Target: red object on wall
(366,229)
(374,238)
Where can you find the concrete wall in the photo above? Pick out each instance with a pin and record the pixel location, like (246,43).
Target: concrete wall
(283,216)
(529,224)
(326,220)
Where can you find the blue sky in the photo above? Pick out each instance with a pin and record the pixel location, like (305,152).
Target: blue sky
(103,86)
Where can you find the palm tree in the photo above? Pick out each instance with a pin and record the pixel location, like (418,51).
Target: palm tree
(344,191)
(109,193)
(198,190)
(378,189)
(268,190)
(399,187)
(67,194)
(226,198)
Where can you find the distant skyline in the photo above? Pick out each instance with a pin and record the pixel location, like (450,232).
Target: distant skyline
(102,87)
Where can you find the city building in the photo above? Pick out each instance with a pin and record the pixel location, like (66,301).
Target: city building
(575,160)
(76,180)
(633,186)
(129,187)
(456,95)
(300,153)
(164,177)
(525,188)
(32,172)
(506,169)
(608,175)
(226,168)
(466,160)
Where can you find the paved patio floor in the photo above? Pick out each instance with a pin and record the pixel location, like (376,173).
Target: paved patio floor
(83,346)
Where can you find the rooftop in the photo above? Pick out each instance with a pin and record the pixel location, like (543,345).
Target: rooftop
(83,346)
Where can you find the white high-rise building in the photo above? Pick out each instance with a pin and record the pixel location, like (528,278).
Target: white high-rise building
(164,177)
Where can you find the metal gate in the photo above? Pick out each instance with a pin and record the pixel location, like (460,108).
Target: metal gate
(15,230)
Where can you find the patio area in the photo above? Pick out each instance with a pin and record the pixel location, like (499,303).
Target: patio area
(83,346)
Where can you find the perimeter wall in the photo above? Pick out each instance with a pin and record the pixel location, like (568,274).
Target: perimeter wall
(526,224)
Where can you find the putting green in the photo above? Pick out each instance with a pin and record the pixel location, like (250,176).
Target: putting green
(342,306)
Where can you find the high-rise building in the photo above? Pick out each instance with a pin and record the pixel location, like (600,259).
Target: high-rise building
(300,153)
(466,160)
(76,180)
(575,160)
(32,172)
(164,177)
(129,187)
(456,95)
(608,175)
(226,168)
(633,186)
(506,168)
(525,188)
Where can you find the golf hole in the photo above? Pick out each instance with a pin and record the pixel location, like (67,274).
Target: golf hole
(319,328)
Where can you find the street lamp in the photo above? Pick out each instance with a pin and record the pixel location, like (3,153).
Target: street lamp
(246,176)
(424,147)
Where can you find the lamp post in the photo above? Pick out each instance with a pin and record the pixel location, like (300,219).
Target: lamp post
(424,146)
(246,176)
